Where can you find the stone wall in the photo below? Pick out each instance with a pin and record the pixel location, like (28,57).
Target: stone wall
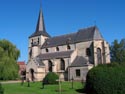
(83,73)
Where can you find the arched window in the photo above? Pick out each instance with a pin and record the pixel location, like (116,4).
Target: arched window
(68,47)
(47,50)
(50,65)
(32,42)
(57,48)
(38,41)
(62,65)
(99,56)
(30,53)
(88,52)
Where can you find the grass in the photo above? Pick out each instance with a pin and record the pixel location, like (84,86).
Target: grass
(36,88)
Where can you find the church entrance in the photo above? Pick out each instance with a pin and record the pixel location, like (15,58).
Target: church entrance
(32,74)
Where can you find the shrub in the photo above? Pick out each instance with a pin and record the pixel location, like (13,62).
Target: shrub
(106,79)
(1,89)
(51,78)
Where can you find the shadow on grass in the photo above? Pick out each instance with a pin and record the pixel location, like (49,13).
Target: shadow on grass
(60,90)
(80,91)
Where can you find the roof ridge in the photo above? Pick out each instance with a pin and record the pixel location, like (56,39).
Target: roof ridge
(86,28)
(76,31)
(65,34)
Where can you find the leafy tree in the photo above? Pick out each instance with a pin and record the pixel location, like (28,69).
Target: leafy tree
(118,51)
(8,60)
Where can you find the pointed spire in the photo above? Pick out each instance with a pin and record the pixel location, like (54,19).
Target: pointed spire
(40,28)
(40,23)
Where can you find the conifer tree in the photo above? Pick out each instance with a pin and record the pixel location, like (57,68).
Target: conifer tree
(118,51)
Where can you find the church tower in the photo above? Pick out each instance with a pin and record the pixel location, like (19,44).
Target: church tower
(37,39)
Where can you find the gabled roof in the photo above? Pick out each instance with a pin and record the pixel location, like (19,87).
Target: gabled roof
(38,62)
(40,28)
(87,34)
(60,40)
(63,54)
(21,63)
(79,62)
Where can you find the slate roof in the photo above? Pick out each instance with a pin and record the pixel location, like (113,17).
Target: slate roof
(87,34)
(38,62)
(40,28)
(79,62)
(63,54)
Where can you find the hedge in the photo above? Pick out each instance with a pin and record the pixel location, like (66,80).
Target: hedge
(106,79)
(51,78)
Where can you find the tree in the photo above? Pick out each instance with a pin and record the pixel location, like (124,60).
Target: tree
(118,51)
(8,60)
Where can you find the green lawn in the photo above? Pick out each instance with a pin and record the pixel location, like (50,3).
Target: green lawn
(36,88)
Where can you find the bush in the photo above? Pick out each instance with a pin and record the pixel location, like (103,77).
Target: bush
(51,78)
(1,89)
(106,79)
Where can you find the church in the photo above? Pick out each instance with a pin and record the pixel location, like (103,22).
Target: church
(70,56)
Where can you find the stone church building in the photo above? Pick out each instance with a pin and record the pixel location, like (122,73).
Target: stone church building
(70,55)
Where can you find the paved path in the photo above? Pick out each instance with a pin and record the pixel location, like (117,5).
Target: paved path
(6,82)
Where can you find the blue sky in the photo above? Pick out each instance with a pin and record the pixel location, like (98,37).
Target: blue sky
(18,19)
